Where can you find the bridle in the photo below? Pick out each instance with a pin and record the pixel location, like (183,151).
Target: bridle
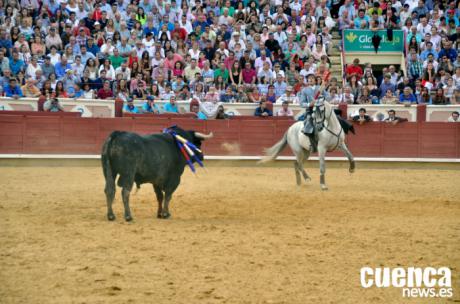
(320,109)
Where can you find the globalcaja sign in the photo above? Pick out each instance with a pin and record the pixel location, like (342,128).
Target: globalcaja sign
(361,41)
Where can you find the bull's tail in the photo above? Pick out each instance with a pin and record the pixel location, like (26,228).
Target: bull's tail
(273,152)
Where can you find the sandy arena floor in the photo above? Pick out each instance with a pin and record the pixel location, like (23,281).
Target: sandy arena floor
(237,235)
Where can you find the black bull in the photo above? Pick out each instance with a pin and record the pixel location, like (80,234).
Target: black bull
(138,159)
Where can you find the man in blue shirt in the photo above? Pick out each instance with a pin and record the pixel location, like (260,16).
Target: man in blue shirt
(262,110)
(130,107)
(16,64)
(12,89)
(406,97)
(386,85)
(171,107)
(361,17)
(199,115)
(149,106)
(61,67)
(448,51)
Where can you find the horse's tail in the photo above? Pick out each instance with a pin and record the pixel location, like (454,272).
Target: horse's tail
(273,152)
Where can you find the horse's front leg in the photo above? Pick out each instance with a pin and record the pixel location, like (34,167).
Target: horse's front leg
(322,167)
(348,154)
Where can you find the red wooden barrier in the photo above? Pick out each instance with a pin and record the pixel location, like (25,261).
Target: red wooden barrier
(72,135)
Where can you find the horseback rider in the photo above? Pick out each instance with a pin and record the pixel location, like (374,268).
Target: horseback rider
(308,98)
(309,128)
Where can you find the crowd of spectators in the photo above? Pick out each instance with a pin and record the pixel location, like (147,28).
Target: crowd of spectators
(221,50)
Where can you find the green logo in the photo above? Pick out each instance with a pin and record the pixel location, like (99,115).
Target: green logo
(351,37)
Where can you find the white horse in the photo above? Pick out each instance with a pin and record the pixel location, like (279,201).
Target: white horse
(330,137)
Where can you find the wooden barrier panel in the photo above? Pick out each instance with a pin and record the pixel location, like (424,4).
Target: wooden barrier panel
(36,113)
(72,135)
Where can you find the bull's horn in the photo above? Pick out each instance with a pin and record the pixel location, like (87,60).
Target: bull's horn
(204,136)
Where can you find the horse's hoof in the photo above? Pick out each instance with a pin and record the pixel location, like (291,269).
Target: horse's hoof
(159,215)
(324,187)
(111,217)
(352,170)
(308,179)
(165,215)
(128,218)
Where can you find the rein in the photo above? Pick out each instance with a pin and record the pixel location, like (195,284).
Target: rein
(323,114)
(187,149)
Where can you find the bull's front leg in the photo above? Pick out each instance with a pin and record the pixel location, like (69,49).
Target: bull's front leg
(160,196)
(125,195)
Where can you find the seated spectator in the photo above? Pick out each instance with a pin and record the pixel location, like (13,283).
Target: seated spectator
(389,98)
(53,105)
(454,117)
(29,89)
(105,92)
(364,96)
(354,70)
(16,64)
(241,95)
(149,106)
(424,97)
(171,107)
(262,110)
(334,97)
(76,91)
(271,94)
(347,97)
(439,98)
(228,96)
(392,118)
(167,93)
(288,96)
(129,107)
(212,95)
(285,110)
(362,117)
(13,89)
(386,85)
(88,93)
(407,97)
(455,99)
(140,92)
(249,74)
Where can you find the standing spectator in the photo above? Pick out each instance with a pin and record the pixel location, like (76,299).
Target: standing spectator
(393,119)
(362,117)
(53,105)
(454,117)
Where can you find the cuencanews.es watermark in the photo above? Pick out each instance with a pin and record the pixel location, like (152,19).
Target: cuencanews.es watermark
(416,282)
